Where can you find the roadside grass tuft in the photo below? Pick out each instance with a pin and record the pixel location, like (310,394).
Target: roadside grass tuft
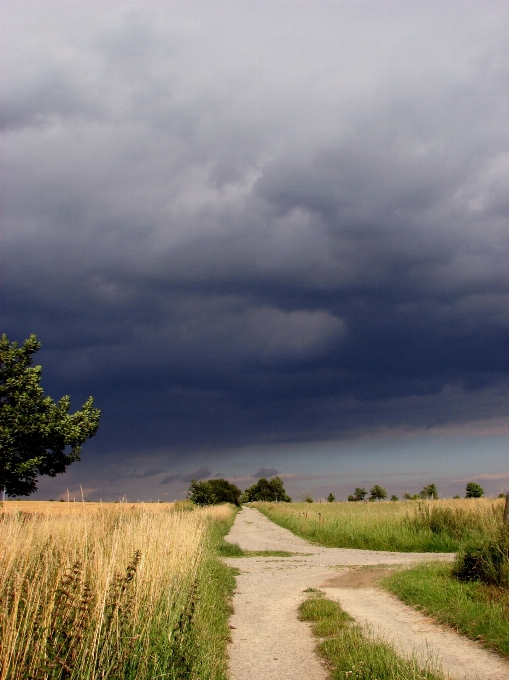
(479,611)
(226,549)
(351,652)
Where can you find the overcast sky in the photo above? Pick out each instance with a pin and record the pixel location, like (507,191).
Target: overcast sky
(265,236)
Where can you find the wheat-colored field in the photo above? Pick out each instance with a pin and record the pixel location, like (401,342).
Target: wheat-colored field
(93,590)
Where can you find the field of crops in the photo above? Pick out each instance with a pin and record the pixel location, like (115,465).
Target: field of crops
(95,591)
(404,526)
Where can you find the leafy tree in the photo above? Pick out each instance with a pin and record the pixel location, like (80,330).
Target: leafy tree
(331,498)
(266,490)
(308,498)
(360,493)
(35,432)
(377,493)
(474,490)
(394,498)
(429,492)
(213,492)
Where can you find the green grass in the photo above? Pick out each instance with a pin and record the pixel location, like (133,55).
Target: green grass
(351,652)
(478,611)
(428,526)
(216,584)
(227,549)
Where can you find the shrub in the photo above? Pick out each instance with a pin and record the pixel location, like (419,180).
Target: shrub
(486,562)
(331,498)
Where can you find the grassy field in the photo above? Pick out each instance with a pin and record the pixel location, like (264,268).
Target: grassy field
(94,590)
(414,526)
(479,611)
(353,652)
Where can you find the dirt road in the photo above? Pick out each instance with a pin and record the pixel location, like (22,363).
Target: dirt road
(270,643)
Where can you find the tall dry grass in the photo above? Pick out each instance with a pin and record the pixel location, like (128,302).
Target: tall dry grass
(415,526)
(105,591)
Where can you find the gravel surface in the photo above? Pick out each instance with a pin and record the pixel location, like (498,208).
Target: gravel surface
(270,643)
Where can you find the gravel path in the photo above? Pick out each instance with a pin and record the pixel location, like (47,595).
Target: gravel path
(270,643)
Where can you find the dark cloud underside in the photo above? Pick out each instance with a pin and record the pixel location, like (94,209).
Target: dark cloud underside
(241,222)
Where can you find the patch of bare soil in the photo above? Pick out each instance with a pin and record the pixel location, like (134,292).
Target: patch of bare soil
(357,577)
(270,643)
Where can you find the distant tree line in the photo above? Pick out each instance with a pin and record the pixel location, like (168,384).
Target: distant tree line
(429,492)
(216,491)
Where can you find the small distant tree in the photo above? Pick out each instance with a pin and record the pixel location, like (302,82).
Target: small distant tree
(331,498)
(394,498)
(360,493)
(456,497)
(308,498)
(267,490)
(213,492)
(352,498)
(474,490)
(501,495)
(378,493)
(429,492)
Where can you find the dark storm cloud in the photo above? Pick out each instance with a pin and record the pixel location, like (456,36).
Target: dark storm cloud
(201,473)
(265,472)
(234,231)
(151,472)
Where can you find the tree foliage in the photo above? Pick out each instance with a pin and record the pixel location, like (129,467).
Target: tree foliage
(213,492)
(474,490)
(37,435)
(377,493)
(429,492)
(266,490)
(331,498)
(358,495)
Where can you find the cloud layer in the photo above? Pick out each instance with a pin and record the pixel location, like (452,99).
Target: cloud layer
(234,223)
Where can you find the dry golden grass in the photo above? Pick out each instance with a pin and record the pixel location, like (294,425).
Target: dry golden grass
(63,507)
(94,590)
